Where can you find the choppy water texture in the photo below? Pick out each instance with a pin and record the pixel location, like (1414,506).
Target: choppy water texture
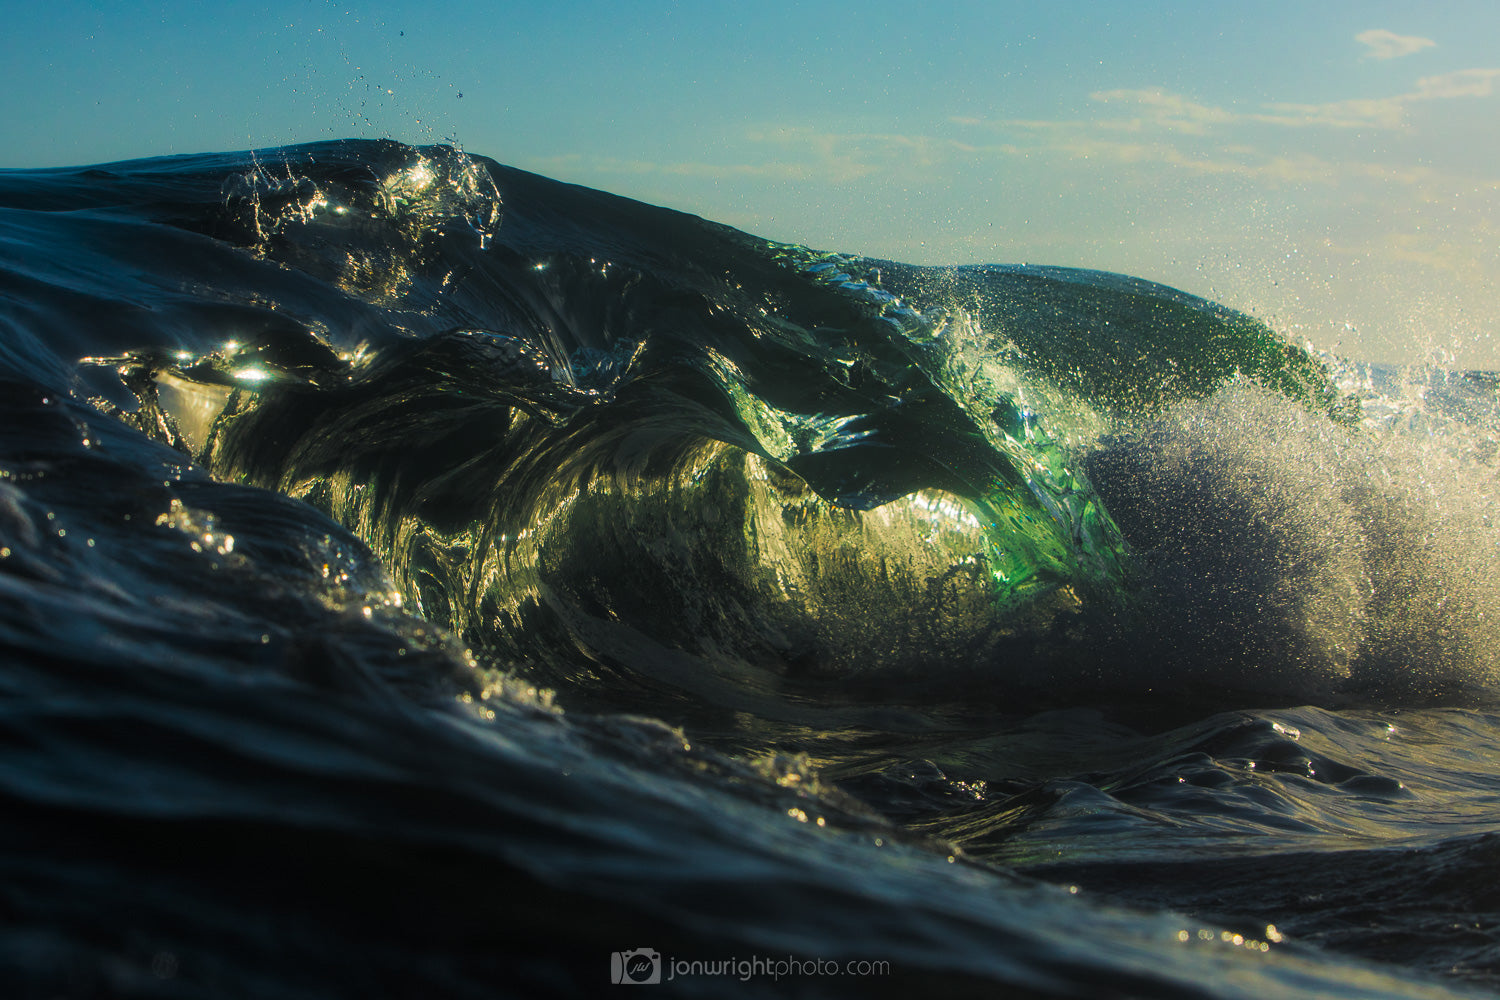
(425,578)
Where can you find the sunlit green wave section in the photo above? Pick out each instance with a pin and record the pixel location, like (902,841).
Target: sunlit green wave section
(1041,361)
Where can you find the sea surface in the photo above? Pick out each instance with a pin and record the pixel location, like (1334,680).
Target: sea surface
(421,578)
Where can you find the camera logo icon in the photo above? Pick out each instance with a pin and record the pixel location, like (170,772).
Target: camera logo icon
(640,966)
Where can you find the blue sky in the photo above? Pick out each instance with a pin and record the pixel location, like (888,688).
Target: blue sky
(1331,166)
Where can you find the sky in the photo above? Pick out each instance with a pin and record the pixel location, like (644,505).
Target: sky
(1330,166)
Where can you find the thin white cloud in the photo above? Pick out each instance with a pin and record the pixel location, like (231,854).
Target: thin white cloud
(1389,45)
(1143,131)
(1374,112)
(1159,127)
(797,155)
(1163,109)
(1464,83)
(1171,110)
(1238,161)
(574,163)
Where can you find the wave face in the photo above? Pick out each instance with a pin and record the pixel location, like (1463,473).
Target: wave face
(483,575)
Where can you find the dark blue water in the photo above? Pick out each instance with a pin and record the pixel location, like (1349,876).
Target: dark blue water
(423,578)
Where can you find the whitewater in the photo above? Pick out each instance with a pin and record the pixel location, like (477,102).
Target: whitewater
(422,577)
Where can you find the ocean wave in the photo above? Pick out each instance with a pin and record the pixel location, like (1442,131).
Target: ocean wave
(362,501)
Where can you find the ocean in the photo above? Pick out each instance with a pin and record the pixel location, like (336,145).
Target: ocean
(425,578)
